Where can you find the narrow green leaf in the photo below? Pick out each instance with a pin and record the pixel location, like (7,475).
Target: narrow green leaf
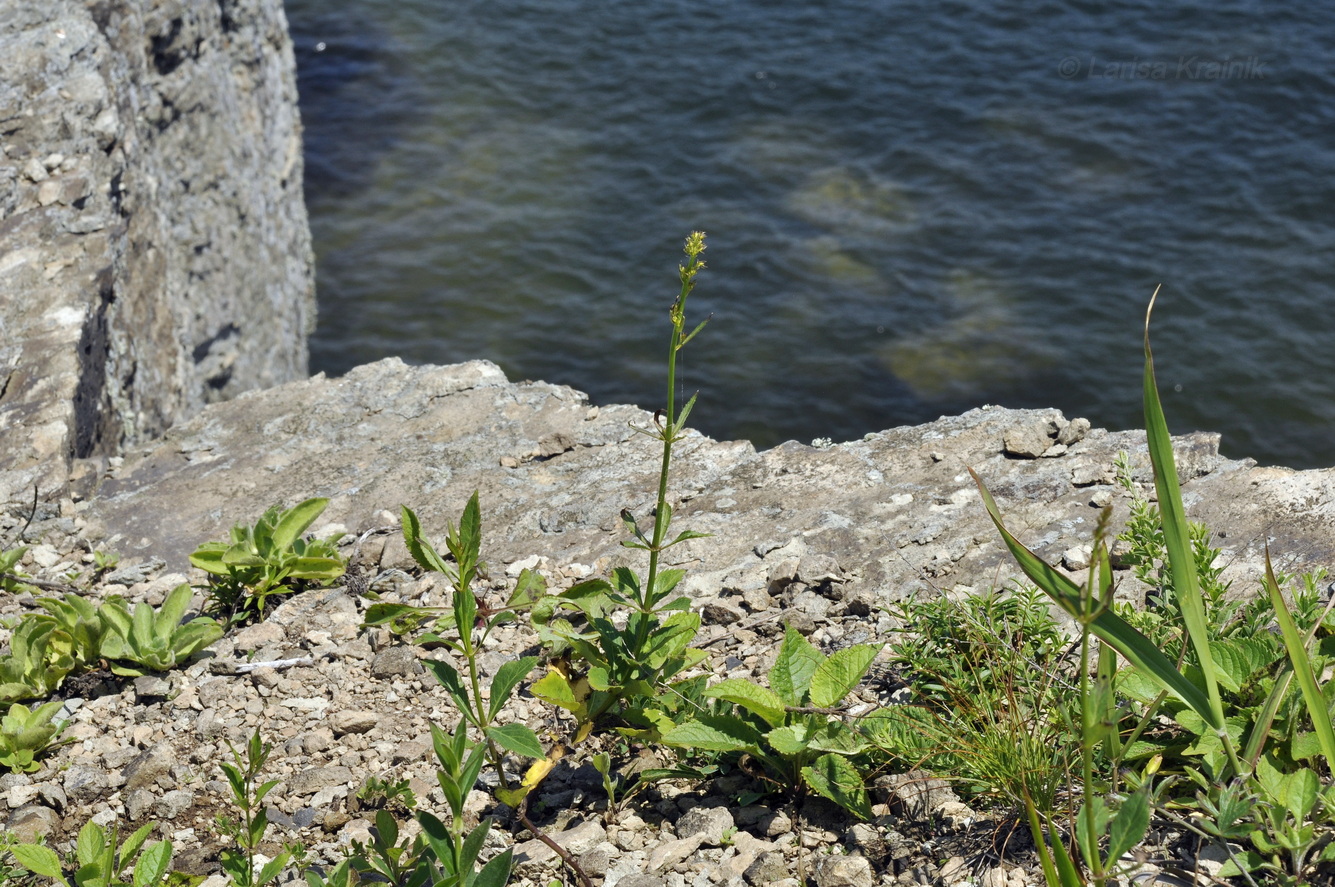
(1108,626)
(1317,709)
(450,679)
(507,678)
(131,846)
(472,846)
(834,678)
(1177,533)
(419,547)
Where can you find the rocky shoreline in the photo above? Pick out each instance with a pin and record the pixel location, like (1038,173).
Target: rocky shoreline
(155,291)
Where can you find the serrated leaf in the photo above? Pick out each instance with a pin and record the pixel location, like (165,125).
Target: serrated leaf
(38,860)
(714,733)
(752,697)
(518,739)
(1238,659)
(796,663)
(789,740)
(152,865)
(834,678)
(419,547)
(835,778)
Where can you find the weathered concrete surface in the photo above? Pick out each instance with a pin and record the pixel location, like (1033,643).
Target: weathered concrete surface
(154,251)
(891,515)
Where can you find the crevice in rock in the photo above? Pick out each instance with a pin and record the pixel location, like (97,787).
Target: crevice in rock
(92,404)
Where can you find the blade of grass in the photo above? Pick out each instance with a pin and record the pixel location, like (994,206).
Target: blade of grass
(1302,667)
(1177,540)
(1107,625)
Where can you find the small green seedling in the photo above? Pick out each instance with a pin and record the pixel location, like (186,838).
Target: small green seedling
(239,861)
(100,862)
(26,733)
(268,558)
(154,641)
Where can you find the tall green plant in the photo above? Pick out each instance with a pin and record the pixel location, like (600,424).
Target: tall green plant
(1269,787)
(629,670)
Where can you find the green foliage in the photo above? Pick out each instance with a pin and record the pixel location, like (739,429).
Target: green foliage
(1229,719)
(269,558)
(629,668)
(11,578)
(988,703)
(27,733)
(83,623)
(794,728)
(99,861)
(40,656)
(377,793)
(146,640)
(247,832)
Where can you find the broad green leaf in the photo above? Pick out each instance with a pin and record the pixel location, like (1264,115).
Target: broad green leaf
(796,663)
(518,739)
(209,558)
(556,689)
(39,860)
(152,865)
(496,873)
(272,868)
(836,736)
(295,521)
(507,678)
(1238,659)
(834,678)
(1128,826)
(837,779)
(714,733)
(472,845)
(789,740)
(322,568)
(173,609)
(752,697)
(91,842)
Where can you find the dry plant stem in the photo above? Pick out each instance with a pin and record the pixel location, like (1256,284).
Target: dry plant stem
(560,851)
(39,583)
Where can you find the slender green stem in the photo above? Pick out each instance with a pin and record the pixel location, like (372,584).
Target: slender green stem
(669,429)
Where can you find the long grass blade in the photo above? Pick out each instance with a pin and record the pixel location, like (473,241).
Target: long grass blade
(1107,625)
(1302,667)
(1177,536)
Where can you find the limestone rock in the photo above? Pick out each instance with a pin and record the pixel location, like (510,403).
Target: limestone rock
(154,250)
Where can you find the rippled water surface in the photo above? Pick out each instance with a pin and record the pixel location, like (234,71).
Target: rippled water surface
(912,208)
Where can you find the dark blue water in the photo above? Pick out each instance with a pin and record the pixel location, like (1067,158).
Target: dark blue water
(912,209)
